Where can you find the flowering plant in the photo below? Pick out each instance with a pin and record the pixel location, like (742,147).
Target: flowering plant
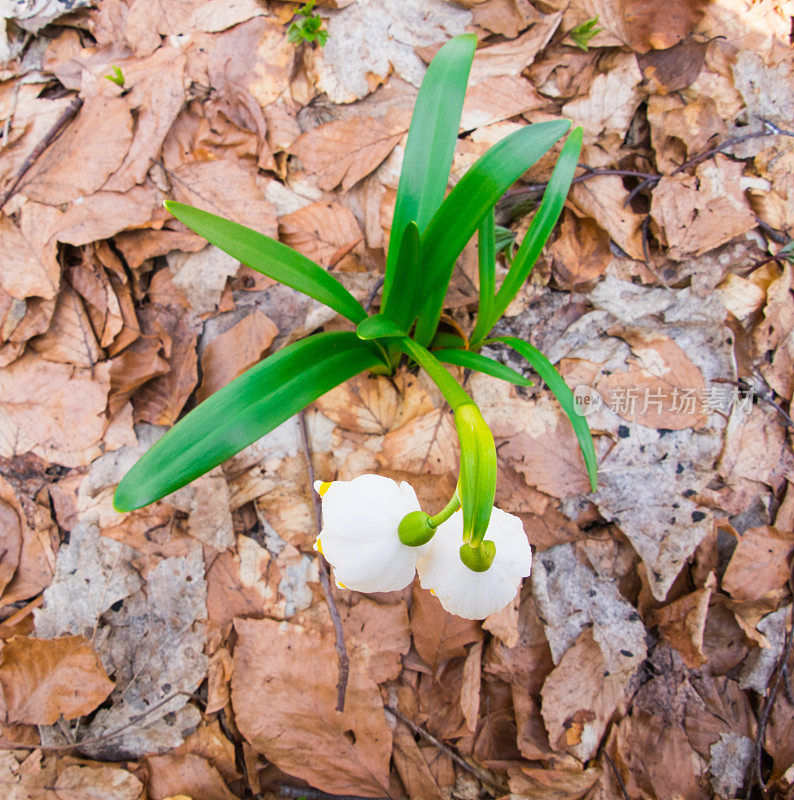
(472,555)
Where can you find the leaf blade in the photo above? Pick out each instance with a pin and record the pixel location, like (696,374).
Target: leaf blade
(242,411)
(431,142)
(271,258)
(564,396)
(476,361)
(467,204)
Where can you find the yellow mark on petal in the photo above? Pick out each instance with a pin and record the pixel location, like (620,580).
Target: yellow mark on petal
(318,546)
(433,592)
(323,488)
(341,585)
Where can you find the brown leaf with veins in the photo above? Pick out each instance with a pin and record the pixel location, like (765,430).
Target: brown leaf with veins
(497,98)
(284,698)
(697,214)
(580,252)
(45,679)
(412,767)
(759,564)
(53,410)
(13,528)
(186,774)
(30,267)
(425,444)
(323,232)
(89,150)
(346,150)
(439,635)
(234,351)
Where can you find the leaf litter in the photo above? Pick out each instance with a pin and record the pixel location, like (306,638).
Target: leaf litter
(648,653)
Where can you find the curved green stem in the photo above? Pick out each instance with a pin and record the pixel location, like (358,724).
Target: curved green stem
(452,506)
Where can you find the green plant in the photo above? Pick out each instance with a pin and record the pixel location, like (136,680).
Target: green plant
(584,32)
(117,77)
(429,232)
(308,29)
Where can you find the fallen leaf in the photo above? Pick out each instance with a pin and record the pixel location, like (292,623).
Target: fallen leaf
(730,758)
(506,17)
(206,502)
(498,98)
(345,151)
(697,214)
(439,635)
(580,252)
(13,530)
(30,267)
(234,351)
(541,783)
(425,444)
(759,563)
(759,666)
(580,698)
(186,774)
(46,679)
(283,717)
(53,410)
(673,68)
(323,232)
(470,687)
(412,767)
(383,37)
(82,159)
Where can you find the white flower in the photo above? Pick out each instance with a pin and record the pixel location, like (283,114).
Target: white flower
(359,535)
(469,594)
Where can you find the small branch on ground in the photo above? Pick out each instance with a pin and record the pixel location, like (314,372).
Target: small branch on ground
(617,776)
(325,579)
(297,792)
(68,114)
(444,748)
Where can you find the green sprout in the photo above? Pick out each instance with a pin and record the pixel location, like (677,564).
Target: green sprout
(117,77)
(308,29)
(787,252)
(430,229)
(583,33)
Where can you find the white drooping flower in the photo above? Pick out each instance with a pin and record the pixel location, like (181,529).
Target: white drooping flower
(469,594)
(359,534)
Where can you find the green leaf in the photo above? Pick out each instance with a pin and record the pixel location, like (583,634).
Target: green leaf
(486,256)
(402,303)
(481,363)
(536,237)
(467,204)
(453,392)
(378,326)
(243,411)
(431,143)
(564,395)
(446,340)
(271,258)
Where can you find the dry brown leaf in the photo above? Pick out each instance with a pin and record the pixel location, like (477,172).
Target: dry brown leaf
(772,338)
(673,68)
(186,774)
(470,687)
(697,214)
(284,697)
(234,351)
(366,41)
(30,267)
(438,635)
(206,502)
(53,410)
(412,767)
(497,98)
(78,782)
(161,400)
(228,188)
(427,443)
(580,698)
(603,198)
(682,623)
(506,17)
(13,530)
(46,679)
(606,110)
(137,364)
(580,252)
(324,232)
(82,159)
(374,404)
(759,563)
(536,783)
(511,57)
(346,150)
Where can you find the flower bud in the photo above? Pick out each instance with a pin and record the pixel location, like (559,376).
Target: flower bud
(478,559)
(415,529)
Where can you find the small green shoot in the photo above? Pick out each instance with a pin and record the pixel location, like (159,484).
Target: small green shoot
(505,242)
(308,29)
(117,77)
(787,252)
(583,33)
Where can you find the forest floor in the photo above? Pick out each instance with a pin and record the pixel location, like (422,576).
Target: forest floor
(187,649)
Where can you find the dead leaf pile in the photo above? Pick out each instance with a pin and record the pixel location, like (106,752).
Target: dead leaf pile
(186,650)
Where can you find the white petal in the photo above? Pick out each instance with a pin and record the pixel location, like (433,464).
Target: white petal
(359,536)
(476,595)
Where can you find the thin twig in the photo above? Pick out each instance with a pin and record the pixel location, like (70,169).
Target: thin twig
(761,396)
(373,294)
(617,776)
(444,748)
(285,790)
(66,116)
(325,579)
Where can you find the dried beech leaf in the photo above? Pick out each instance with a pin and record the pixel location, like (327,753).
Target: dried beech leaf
(46,679)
